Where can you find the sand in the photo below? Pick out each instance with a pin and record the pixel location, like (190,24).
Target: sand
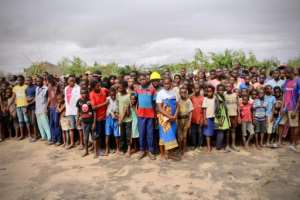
(38,171)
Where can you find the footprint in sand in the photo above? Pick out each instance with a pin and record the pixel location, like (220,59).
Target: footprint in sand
(124,171)
(207,165)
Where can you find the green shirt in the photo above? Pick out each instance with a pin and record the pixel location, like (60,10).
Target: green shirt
(123,102)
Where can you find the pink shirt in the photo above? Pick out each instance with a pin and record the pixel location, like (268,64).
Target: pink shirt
(69,94)
(245,112)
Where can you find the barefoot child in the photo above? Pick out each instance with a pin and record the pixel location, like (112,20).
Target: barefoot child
(185,108)
(64,122)
(134,125)
(197,118)
(111,122)
(270,102)
(86,116)
(11,107)
(167,106)
(221,120)
(231,99)
(260,117)
(245,118)
(208,115)
(123,101)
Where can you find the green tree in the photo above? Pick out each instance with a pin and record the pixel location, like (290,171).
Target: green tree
(294,62)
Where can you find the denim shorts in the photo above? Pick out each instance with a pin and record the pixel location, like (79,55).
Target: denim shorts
(72,121)
(111,127)
(22,115)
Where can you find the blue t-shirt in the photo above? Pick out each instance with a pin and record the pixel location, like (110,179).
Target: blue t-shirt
(273,83)
(244,86)
(30,92)
(269,101)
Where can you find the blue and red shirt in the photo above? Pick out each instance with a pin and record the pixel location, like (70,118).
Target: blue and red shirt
(146,102)
(291,92)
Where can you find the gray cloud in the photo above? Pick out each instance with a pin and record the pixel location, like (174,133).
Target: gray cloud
(144,32)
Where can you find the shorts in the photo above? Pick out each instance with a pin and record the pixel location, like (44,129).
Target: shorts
(209,129)
(99,129)
(111,126)
(72,121)
(65,123)
(182,129)
(269,125)
(22,116)
(247,127)
(233,121)
(288,119)
(260,126)
(31,117)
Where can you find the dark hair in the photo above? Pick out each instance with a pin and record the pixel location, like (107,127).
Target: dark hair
(21,77)
(112,89)
(277,88)
(94,83)
(211,87)
(177,75)
(124,83)
(220,85)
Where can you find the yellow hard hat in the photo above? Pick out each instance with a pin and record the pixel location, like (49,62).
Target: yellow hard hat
(155,76)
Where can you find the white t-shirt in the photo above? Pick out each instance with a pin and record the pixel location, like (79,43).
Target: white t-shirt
(209,104)
(165,94)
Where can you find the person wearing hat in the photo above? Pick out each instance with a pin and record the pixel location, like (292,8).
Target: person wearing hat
(155,79)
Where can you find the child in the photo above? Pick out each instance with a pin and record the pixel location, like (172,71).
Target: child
(11,107)
(245,118)
(208,107)
(21,103)
(197,118)
(30,96)
(111,122)
(146,114)
(41,101)
(64,122)
(86,116)
(168,109)
(222,121)
(270,101)
(260,117)
(134,127)
(231,99)
(184,117)
(123,101)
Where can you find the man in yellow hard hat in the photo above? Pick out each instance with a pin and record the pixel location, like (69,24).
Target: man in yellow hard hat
(155,80)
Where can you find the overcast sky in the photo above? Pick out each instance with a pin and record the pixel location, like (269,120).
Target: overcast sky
(144,32)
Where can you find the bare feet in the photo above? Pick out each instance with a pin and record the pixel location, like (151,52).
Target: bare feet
(70,146)
(85,154)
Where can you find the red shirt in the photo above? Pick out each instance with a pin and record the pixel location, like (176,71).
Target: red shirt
(197,114)
(245,112)
(99,98)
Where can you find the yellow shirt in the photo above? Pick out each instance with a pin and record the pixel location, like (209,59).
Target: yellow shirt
(20,95)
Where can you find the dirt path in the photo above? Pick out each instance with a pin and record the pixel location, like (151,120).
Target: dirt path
(38,171)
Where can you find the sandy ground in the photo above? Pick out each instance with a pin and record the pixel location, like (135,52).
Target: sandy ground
(38,171)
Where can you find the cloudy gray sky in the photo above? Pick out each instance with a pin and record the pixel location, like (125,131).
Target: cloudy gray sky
(144,32)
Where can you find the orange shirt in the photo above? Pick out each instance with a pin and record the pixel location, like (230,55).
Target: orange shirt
(99,98)
(197,114)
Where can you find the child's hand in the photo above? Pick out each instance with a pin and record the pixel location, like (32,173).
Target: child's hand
(205,122)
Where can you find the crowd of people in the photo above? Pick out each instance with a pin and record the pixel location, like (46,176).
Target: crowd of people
(151,113)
